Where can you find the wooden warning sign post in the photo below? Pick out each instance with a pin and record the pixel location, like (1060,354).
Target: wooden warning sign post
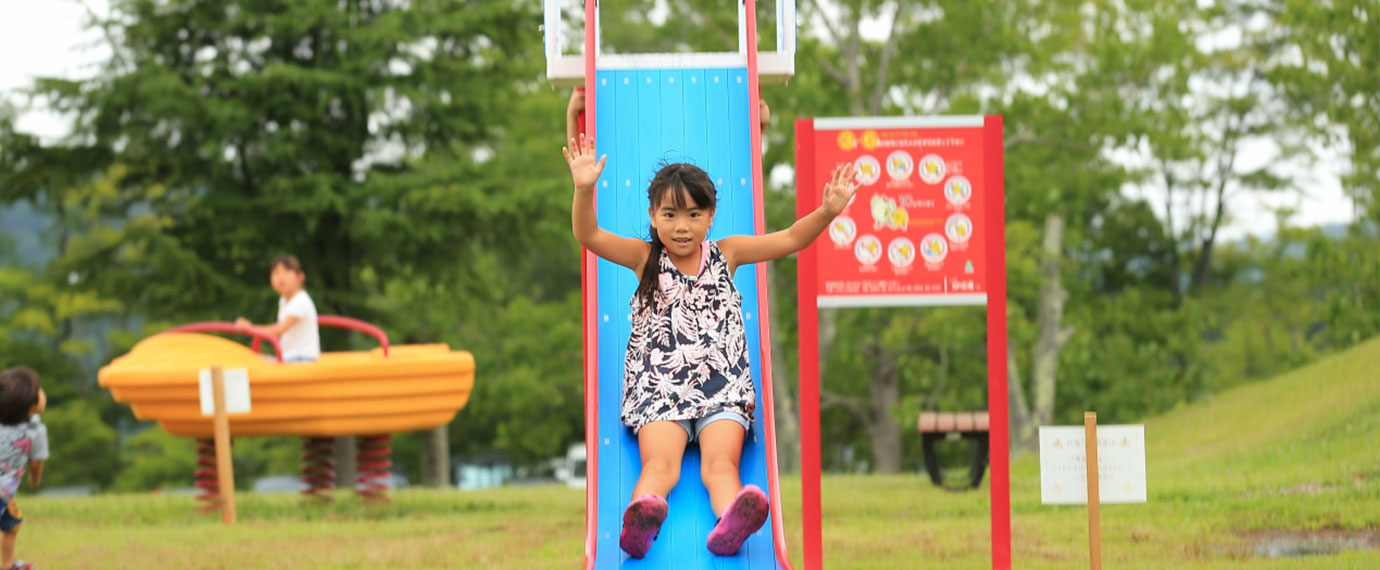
(225,469)
(1092,465)
(1094,502)
(224,392)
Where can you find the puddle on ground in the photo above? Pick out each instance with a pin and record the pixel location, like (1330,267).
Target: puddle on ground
(1302,543)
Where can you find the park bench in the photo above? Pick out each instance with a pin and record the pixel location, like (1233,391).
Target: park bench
(972,426)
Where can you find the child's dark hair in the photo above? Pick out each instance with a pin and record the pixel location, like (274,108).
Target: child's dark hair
(18,394)
(674,182)
(288,262)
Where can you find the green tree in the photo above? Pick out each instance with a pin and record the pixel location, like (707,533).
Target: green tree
(155,459)
(242,129)
(82,447)
(1348,272)
(389,145)
(1329,66)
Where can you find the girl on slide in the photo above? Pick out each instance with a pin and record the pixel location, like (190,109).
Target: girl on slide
(686,369)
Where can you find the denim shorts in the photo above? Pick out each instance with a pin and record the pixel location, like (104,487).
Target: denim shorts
(698,425)
(9,516)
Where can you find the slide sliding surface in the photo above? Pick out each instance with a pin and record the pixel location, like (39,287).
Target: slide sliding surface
(645,116)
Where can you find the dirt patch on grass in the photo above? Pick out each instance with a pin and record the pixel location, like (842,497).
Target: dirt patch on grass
(1290,543)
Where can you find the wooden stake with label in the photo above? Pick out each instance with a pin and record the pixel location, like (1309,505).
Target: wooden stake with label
(224,468)
(1094,499)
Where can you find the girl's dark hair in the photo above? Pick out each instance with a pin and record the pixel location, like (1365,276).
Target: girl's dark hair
(288,262)
(674,182)
(18,394)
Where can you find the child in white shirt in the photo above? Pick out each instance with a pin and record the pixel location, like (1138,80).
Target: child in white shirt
(296,327)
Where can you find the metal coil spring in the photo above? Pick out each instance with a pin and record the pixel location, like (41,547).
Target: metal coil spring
(318,467)
(207,479)
(374,466)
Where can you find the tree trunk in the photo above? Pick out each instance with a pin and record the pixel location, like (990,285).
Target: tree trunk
(436,457)
(1225,171)
(932,401)
(1022,428)
(783,399)
(852,52)
(882,426)
(1052,335)
(345,462)
(875,412)
(1176,257)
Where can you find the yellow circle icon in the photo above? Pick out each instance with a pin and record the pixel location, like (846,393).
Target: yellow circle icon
(900,218)
(870,140)
(847,140)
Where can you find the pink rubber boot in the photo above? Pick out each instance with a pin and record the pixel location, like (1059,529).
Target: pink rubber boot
(641,523)
(743,517)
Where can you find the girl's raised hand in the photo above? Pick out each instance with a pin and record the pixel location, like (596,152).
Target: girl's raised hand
(841,188)
(584,170)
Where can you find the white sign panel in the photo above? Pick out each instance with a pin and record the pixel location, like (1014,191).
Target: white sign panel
(1120,458)
(236,381)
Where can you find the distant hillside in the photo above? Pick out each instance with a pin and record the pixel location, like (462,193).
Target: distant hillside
(1313,428)
(1334,231)
(1315,424)
(21,236)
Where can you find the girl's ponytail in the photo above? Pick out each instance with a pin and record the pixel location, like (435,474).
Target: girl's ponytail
(651,272)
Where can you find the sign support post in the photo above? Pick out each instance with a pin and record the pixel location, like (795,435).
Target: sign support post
(1094,497)
(807,199)
(1092,464)
(224,392)
(225,469)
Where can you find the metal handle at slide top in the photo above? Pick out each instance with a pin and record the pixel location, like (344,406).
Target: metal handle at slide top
(785,13)
(569,70)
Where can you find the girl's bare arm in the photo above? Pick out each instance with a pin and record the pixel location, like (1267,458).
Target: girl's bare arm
(585,171)
(749,249)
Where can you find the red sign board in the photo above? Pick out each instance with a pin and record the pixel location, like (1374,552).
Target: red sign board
(915,233)
(927,228)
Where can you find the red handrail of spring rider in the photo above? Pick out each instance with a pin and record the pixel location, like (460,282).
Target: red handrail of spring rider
(349,323)
(213,326)
(336,321)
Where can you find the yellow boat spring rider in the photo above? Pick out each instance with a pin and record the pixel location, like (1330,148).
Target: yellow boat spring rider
(385,390)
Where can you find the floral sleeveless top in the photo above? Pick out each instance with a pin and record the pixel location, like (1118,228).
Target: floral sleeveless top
(688,354)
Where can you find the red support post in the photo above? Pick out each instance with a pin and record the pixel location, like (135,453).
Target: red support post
(997,388)
(807,198)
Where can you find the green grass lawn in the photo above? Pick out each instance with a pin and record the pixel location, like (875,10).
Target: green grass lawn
(1297,453)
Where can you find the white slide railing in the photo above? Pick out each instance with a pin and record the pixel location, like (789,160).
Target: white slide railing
(569,69)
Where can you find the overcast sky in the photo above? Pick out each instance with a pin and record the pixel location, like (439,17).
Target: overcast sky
(47,37)
(44,38)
